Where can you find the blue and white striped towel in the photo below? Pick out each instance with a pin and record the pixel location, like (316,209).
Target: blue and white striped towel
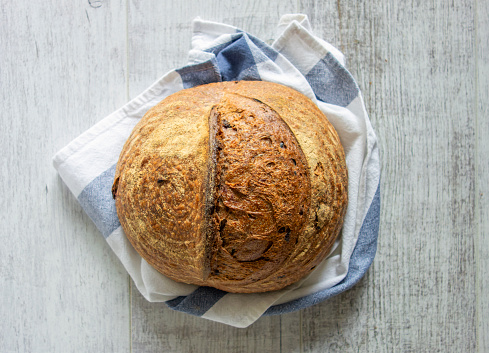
(220,52)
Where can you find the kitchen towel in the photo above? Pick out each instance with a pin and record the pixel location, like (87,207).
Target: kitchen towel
(220,52)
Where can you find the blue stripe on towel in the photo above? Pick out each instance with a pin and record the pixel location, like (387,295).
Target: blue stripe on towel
(265,49)
(96,199)
(332,83)
(199,74)
(235,60)
(198,302)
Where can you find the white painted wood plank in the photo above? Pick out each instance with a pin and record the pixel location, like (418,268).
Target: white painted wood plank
(482,186)
(156,328)
(414,62)
(62,69)
(159,40)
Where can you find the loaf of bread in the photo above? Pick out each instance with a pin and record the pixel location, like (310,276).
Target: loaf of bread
(241,186)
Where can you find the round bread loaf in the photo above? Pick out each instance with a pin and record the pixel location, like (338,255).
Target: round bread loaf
(241,186)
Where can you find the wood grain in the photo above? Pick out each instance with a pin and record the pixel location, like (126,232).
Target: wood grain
(481,18)
(423,68)
(414,62)
(61,288)
(162,30)
(156,328)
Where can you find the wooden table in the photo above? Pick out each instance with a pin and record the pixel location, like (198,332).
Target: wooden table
(423,67)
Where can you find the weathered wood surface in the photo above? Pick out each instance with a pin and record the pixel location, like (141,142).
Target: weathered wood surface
(423,68)
(415,64)
(61,69)
(481,216)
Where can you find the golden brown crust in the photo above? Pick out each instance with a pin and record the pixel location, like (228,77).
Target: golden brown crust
(237,185)
(262,192)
